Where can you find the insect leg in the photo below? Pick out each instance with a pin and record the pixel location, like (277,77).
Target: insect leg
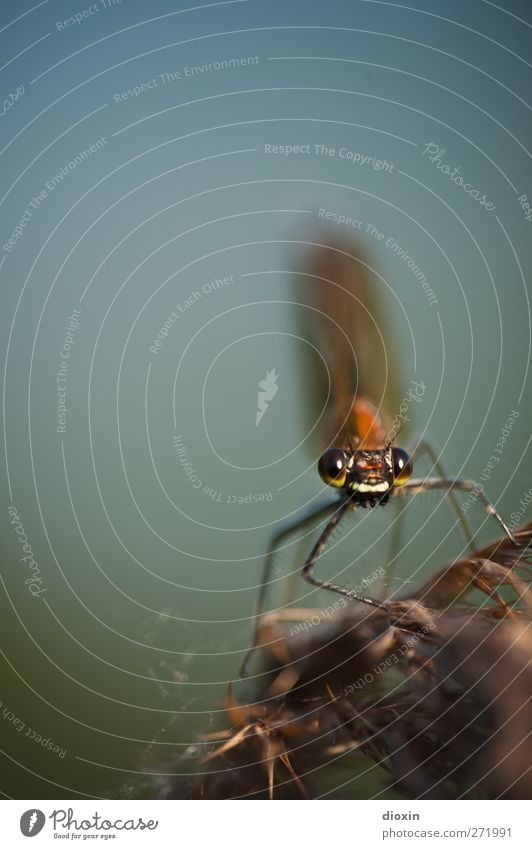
(279,537)
(317,551)
(424,446)
(427,484)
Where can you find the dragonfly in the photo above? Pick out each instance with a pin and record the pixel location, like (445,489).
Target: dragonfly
(360,460)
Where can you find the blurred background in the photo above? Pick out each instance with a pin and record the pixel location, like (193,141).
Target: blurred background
(166,170)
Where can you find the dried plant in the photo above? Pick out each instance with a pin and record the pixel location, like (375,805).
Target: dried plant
(437,693)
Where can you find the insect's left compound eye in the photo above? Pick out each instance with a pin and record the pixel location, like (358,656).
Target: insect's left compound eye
(332,467)
(402,466)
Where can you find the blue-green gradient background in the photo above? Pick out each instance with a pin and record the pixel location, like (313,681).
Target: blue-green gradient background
(149,580)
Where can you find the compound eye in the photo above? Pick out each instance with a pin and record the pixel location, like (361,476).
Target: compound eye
(333,467)
(402,466)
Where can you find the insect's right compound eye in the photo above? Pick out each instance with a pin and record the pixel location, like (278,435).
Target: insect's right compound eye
(402,466)
(332,467)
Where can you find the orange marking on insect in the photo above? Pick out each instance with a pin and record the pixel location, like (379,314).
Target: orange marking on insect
(367,424)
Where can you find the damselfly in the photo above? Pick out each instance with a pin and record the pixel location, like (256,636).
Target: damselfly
(361,461)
